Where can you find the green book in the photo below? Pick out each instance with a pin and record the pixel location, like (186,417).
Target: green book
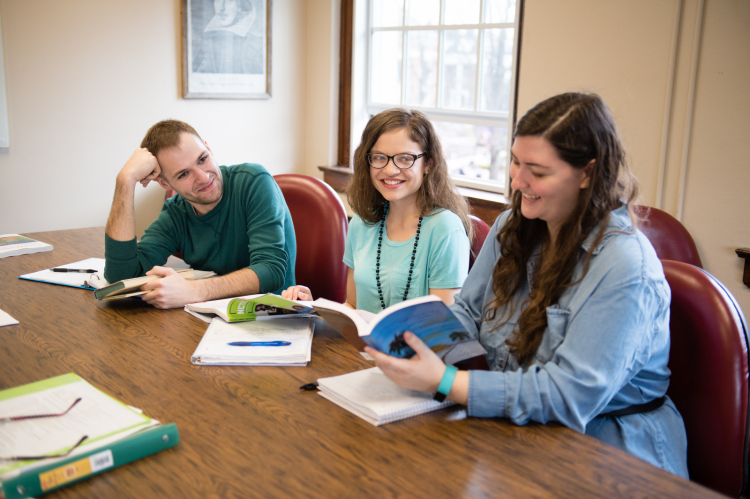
(250,308)
(116,434)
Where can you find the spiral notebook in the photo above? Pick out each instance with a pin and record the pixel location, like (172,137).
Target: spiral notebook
(372,396)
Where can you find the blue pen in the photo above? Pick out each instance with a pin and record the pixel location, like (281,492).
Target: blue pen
(259,343)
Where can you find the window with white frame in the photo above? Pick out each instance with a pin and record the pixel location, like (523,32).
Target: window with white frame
(454,60)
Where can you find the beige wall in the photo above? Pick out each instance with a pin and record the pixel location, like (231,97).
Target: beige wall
(623,51)
(322,84)
(85,80)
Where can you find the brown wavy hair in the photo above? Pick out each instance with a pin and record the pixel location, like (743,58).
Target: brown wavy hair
(436,191)
(581,129)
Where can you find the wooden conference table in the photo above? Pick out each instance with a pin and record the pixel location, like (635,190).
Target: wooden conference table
(250,431)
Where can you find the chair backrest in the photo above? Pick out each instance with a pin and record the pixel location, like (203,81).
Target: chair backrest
(709,382)
(670,238)
(320,225)
(481,230)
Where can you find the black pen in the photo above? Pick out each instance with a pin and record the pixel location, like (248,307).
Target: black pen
(77,271)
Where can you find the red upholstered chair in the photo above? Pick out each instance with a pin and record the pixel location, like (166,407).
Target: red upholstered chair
(481,230)
(320,225)
(709,382)
(670,238)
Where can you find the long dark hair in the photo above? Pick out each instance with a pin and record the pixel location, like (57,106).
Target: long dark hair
(581,129)
(436,191)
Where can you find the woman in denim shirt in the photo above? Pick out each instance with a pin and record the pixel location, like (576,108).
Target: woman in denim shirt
(575,315)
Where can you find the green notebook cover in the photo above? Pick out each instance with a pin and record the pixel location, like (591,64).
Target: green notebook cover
(40,480)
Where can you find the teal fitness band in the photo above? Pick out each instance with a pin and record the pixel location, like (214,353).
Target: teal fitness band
(446,383)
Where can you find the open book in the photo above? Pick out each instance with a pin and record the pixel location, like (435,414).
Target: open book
(372,396)
(115,433)
(427,317)
(247,308)
(131,287)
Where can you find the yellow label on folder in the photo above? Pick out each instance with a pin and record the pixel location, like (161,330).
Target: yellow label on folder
(75,470)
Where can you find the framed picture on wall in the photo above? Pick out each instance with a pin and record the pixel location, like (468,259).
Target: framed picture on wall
(226,49)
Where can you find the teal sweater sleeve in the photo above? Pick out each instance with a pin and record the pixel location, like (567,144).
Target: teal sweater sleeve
(127,259)
(270,234)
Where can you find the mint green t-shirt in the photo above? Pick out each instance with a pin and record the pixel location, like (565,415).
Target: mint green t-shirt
(442,260)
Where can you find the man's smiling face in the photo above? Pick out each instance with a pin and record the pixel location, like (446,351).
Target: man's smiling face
(190,169)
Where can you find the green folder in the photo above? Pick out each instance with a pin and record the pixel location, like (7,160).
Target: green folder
(33,478)
(40,480)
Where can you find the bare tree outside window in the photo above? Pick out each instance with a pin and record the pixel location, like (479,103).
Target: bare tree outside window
(453,60)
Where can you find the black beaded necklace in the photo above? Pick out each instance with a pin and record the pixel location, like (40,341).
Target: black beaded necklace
(377,261)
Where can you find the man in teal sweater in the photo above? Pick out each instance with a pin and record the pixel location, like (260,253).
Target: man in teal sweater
(232,220)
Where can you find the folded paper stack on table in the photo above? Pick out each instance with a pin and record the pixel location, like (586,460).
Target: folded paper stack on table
(372,396)
(286,342)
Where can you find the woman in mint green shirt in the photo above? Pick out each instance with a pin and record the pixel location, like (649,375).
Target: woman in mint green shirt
(410,236)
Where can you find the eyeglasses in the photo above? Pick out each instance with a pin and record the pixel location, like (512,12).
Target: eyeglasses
(403,161)
(38,416)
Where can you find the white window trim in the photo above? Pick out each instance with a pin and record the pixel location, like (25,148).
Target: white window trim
(362,108)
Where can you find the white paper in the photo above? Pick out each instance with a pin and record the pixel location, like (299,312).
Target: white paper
(214,349)
(6,319)
(375,398)
(70,279)
(96,415)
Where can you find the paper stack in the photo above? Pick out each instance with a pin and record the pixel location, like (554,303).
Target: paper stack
(372,396)
(286,342)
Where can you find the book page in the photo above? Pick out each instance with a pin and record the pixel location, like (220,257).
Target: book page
(69,279)
(350,316)
(96,416)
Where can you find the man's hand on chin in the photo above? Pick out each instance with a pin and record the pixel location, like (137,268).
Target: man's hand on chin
(172,291)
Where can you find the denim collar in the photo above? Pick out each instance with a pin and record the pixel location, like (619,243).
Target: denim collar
(619,221)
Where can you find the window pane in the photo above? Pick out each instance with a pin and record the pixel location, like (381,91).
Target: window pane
(496,66)
(421,83)
(422,12)
(474,151)
(385,76)
(459,68)
(387,13)
(461,11)
(500,11)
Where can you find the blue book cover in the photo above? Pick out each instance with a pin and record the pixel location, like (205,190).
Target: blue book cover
(427,317)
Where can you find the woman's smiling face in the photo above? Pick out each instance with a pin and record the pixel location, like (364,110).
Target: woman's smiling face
(549,186)
(396,185)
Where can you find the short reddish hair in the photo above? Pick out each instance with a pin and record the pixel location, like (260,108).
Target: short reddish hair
(165,135)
